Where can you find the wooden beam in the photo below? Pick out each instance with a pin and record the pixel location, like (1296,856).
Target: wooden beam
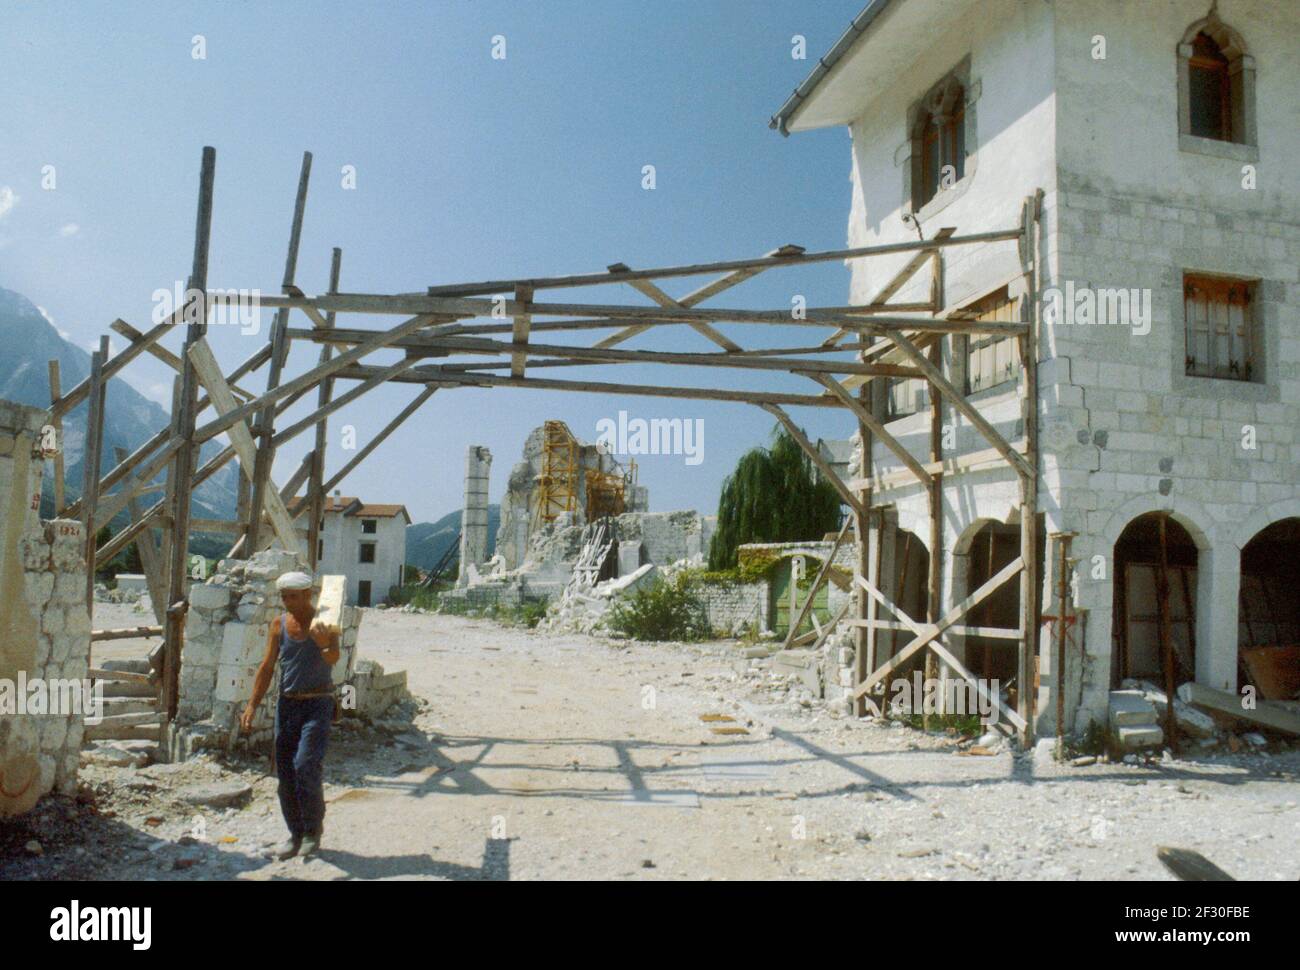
(183,428)
(315,491)
(90,457)
(209,372)
(522,322)
(794,257)
(584,356)
(57,423)
(958,400)
(343,400)
(815,456)
(817,584)
(374,442)
(133,335)
(444,378)
(927,632)
(308,380)
(162,436)
(448,307)
(876,427)
(150,560)
(899,279)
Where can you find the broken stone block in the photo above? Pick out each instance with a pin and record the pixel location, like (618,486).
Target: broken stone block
(209,597)
(1136,738)
(1131,708)
(228,794)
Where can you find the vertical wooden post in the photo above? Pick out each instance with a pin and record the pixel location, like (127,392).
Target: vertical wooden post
(57,422)
(1029,576)
(1166,635)
(263,426)
(90,456)
(864,637)
(935,577)
(182,470)
(149,561)
(169,500)
(315,492)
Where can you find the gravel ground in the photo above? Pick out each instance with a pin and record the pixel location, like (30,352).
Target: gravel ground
(528,756)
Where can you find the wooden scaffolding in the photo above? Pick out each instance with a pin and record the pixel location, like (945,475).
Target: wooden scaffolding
(456,323)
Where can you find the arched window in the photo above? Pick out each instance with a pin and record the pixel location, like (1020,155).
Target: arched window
(1210,90)
(938,141)
(1216,87)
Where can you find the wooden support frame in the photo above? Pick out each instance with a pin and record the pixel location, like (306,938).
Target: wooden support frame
(448,321)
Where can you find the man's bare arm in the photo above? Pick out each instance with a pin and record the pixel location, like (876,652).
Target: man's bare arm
(262,681)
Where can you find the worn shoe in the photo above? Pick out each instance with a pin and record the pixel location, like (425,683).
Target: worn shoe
(289,848)
(310,844)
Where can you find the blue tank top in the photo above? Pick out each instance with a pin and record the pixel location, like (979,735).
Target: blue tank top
(302,668)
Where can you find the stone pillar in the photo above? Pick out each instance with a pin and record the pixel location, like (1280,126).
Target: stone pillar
(1218,586)
(474,516)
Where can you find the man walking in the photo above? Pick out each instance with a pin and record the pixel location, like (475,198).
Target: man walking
(306,649)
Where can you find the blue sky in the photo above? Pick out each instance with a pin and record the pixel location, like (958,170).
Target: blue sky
(467,168)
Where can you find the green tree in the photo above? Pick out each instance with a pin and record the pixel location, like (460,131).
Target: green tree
(772,496)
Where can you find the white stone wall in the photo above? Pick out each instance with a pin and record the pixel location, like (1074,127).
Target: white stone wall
(1123,430)
(44,625)
(734,608)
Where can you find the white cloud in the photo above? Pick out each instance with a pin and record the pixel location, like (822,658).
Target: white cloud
(71,229)
(8,199)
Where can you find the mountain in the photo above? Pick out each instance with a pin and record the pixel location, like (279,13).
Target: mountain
(28,341)
(427,541)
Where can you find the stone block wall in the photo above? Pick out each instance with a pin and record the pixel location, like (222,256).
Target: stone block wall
(734,608)
(44,627)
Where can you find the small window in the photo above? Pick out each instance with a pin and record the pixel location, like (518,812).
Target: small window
(368,526)
(992,360)
(1218,317)
(1216,91)
(907,395)
(1209,90)
(320,549)
(363,592)
(938,141)
(367,552)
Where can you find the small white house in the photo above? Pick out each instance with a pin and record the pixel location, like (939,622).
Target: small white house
(364,542)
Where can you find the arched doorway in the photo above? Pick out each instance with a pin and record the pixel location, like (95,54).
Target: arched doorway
(1268,615)
(989,549)
(1156,560)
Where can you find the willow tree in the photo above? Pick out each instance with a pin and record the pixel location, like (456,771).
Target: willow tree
(772,496)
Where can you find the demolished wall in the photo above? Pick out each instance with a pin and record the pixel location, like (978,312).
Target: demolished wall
(44,626)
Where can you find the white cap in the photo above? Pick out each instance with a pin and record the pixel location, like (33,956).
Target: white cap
(294,580)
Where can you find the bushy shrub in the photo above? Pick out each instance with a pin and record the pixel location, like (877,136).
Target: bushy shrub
(665,610)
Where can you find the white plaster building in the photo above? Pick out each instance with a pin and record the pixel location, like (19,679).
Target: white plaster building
(1163,136)
(364,542)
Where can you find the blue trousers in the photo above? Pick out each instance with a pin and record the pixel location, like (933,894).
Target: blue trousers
(302,731)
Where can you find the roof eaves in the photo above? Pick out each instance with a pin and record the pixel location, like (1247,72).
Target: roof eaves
(857,28)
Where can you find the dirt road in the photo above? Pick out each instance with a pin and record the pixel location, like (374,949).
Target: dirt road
(568,757)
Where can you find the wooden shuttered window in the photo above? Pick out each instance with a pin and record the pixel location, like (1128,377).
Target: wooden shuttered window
(1218,317)
(991,360)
